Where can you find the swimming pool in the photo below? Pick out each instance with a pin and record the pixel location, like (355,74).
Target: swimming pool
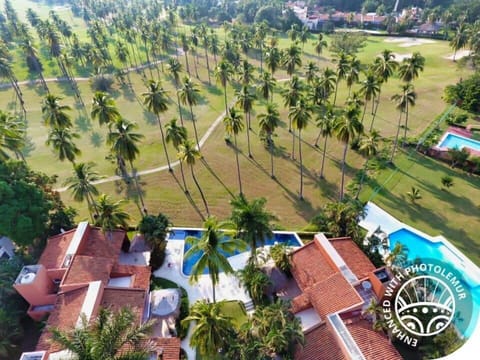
(451,141)
(421,247)
(289,238)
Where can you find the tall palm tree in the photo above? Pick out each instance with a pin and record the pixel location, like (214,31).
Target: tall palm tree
(55,114)
(156,101)
(291,94)
(353,73)
(223,75)
(124,144)
(320,45)
(459,39)
(403,101)
(81,184)
(175,68)
(292,58)
(177,135)
(252,221)
(188,153)
(233,126)
(110,215)
(268,122)
(273,59)
(300,115)
(370,88)
(266,85)
(185,48)
(346,128)
(325,123)
(7,72)
(245,99)
(211,248)
(12,135)
(189,95)
(369,148)
(311,70)
(245,72)
(61,140)
(259,38)
(212,328)
(410,67)
(205,40)
(104,109)
(111,335)
(342,68)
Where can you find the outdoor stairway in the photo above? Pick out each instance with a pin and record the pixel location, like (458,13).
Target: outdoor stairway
(249,307)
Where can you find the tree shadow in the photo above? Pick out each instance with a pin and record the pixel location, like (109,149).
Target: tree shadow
(83,123)
(149,118)
(214,90)
(189,197)
(96,139)
(207,166)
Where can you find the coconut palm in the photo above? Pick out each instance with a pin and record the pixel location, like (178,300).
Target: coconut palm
(12,135)
(300,115)
(410,67)
(459,39)
(266,85)
(245,99)
(320,45)
(342,69)
(255,281)
(353,74)
(325,123)
(177,135)
(311,70)
(110,215)
(369,148)
(397,256)
(223,75)
(291,94)
(61,140)
(185,48)
(403,101)
(233,126)
(245,72)
(369,89)
(346,128)
(273,59)
(104,109)
(111,335)
(175,68)
(291,58)
(156,101)
(189,95)
(188,153)
(259,39)
(7,73)
(81,184)
(252,221)
(212,330)
(203,33)
(211,250)
(268,122)
(414,194)
(55,114)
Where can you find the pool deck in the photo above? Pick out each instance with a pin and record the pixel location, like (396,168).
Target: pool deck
(460,132)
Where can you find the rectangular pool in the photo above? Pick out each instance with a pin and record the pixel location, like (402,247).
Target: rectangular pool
(451,141)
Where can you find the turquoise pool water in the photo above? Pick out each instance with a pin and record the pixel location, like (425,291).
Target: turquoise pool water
(180,234)
(420,247)
(452,141)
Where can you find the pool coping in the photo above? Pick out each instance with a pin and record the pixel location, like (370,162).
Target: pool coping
(453,131)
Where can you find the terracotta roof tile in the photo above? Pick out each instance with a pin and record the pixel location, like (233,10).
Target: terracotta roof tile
(85,269)
(353,256)
(319,345)
(100,245)
(332,295)
(65,315)
(54,253)
(141,274)
(373,344)
(170,347)
(116,299)
(300,303)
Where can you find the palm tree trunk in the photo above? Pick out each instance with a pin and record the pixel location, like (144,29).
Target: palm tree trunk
(148,58)
(336,90)
(195,64)
(139,191)
(194,127)
(186,62)
(248,137)
(375,112)
(318,138)
(238,164)
(179,107)
(361,180)
(396,138)
(164,143)
(94,204)
(208,66)
(200,190)
(261,60)
(343,170)
(293,145)
(301,163)
(183,178)
(406,125)
(270,145)
(323,158)
(213,291)
(364,110)
(226,102)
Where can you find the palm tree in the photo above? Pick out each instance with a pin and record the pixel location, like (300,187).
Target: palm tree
(61,140)
(252,221)
(273,58)
(7,72)
(205,39)
(211,250)
(370,89)
(55,114)
(268,122)
(175,68)
(259,38)
(212,328)
(223,75)
(185,47)
(255,281)
(320,45)
(12,135)
(369,148)
(403,100)
(189,154)
(459,39)
(123,142)
(233,125)
(81,184)
(353,73)
(300,115)
(112,335)
(177,135)
(266,85)
(291,94)
(311,70)
(304,35)
(245,99)
(346,128)
(414,194)
(410,67)
(291,59)
(104,109)
(325,123)
(245,72)
(397,256)
(110,215)
(343,65)
(155,99)
(189,95)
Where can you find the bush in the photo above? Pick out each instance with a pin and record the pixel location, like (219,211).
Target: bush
(466,94)
(101,82)
(280,254)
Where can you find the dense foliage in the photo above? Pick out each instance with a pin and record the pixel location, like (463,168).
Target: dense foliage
(155,230)
(466,93)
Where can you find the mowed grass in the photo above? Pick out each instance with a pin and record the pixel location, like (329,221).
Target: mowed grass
(452,213)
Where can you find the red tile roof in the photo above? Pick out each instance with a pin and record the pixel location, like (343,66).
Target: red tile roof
(99,244)
(64,317)
(54,253)
(355,258)
(141,274)
(170,347)
(85,269)
(133,299)
(373,344)
(319,345)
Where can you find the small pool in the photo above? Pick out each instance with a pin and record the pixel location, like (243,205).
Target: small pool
(451,141)
(289,238)
(421,247)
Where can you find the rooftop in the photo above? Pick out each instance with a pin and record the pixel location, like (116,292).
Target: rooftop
(355,259)
(85,269)
(320,344)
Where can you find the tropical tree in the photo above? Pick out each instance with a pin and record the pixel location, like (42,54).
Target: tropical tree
(268,122)
(55,114)
(414,194)
(156,101)
(346,128)
(61,140)
(273,59)
(259,38)
(245,72)
(81,184)
(12,135)
(266,85)
(252,221)
(300,115)
(202,29)
(211,250)
(7,72)
(177,135)
(255,281)
(325,123)
(233,126)
(447,181)
(369,89)
(342,69)
(111,335)
(291,58)
(245,99)
(110,215)
(212,330)
(410,67)
(369,148)
(223,75)
(397,256)
(459,39)
(175,68)
(189,95)
(311,70)
(291,94)
(104,109)
(403,101)
(320,45)
(353,74)
(185,48)
(188,153)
